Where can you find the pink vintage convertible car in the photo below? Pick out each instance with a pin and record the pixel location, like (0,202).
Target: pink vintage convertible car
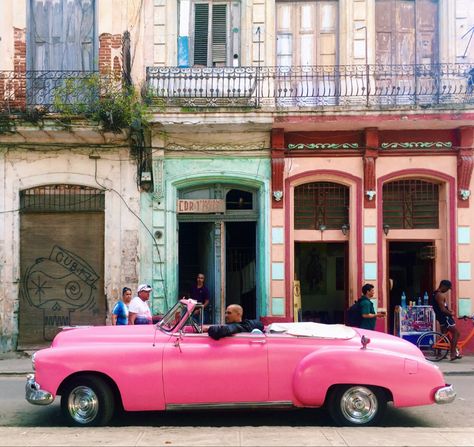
(173,365)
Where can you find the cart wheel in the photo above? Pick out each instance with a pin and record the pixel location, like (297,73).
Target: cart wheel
(434,346)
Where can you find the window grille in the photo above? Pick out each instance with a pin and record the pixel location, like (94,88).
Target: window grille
(411,204)
(62,198)
(321,203)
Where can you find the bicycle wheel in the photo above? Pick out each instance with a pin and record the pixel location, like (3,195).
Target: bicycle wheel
(434,346)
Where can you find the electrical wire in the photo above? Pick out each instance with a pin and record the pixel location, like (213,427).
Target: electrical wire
(155,242)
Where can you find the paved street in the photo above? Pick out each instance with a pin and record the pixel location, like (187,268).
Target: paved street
(25,424)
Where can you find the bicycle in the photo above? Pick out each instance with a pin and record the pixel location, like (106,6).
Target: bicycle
(435,346)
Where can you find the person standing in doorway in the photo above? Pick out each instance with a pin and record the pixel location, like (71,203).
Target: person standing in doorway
(120,310)
(445,316)
(200,293)
(367,311)
(139,311)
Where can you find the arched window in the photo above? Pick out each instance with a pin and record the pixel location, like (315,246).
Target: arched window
(411,204)
(239,200)
(321,203)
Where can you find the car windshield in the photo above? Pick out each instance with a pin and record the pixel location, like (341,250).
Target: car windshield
(173,317)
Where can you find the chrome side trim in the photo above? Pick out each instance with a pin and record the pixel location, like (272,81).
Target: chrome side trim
(34,394)
(230,405)
(445,395)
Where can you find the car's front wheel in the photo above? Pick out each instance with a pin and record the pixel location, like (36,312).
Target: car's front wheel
(356,405)
(87,401)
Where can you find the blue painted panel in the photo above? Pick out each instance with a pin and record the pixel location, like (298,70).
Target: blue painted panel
(278,270)
(370,271)
(183,51)
(464,307)
(277,235)
(278,306)
(370,235)
(464,271)
(464,235)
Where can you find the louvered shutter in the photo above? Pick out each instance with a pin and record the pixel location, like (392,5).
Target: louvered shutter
(201,31)
(219,35)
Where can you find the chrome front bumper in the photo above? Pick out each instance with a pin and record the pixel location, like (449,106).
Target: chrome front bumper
(34,394)
(445,395)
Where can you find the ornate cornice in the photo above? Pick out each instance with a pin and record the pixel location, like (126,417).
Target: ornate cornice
(418,145)
(217,147)
(323,146)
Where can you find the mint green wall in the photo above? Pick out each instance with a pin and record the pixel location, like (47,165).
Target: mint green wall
(179,173)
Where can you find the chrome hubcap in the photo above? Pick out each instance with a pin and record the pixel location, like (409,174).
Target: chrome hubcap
(83,404)
(359,405)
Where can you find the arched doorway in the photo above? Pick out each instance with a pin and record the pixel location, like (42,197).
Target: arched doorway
(217,227)
(61,261)
(321,262)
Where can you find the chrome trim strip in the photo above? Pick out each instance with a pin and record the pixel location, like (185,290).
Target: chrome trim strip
(230,405)
(445,395)
(34,394)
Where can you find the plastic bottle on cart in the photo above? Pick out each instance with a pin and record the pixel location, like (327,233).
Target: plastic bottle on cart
(425,299)
(404,300)
(418,303)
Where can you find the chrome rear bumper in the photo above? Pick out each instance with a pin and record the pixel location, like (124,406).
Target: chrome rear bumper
(445,395)
(34,394)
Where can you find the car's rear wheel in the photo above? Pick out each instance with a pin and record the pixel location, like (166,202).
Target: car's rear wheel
(87,401)
(356,405)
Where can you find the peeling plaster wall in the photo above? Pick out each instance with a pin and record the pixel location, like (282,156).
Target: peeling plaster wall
(25,168)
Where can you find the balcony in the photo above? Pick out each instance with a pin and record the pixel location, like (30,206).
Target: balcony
(355,87)
(24,91)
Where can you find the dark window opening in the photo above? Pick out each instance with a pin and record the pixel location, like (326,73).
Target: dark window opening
(411,204)
(321,203)
(239,200)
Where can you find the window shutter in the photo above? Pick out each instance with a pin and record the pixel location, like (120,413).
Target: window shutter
(219,35)
(201,29)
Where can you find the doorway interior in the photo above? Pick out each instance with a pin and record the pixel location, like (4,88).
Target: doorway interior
(322,271)
(411,269)
(240,271)
(230,270)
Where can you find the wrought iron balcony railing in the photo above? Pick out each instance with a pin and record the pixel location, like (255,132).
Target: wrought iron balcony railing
(316,87)
(20,91)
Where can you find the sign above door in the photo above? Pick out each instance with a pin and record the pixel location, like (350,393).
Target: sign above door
(200,206)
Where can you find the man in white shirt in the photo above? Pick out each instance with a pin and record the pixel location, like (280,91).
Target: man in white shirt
(138,310)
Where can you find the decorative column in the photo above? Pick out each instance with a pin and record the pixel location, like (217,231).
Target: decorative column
(278,165)
(370,155)
(465,165)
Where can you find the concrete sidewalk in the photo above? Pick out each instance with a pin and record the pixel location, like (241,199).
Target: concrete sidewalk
(19,363)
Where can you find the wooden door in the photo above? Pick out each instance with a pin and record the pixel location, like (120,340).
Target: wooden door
(406,34)
(62,273)
(62,38)
(307,41)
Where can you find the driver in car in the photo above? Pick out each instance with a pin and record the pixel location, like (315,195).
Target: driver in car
(234,324)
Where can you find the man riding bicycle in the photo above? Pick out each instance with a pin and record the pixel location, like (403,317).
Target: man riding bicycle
(445,316)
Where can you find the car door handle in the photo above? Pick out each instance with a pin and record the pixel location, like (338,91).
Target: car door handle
(258,342)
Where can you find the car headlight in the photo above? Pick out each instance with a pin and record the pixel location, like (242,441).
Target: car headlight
(33,361)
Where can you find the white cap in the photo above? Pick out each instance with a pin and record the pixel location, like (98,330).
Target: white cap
(144,288)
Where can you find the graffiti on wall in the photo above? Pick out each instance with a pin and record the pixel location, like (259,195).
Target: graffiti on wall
(59,285)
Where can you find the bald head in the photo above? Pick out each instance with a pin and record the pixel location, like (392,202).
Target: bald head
(233,314)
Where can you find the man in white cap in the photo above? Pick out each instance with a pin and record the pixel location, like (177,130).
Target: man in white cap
(138,309)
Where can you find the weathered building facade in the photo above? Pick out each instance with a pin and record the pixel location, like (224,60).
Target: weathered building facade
(69,235)
(369,109)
